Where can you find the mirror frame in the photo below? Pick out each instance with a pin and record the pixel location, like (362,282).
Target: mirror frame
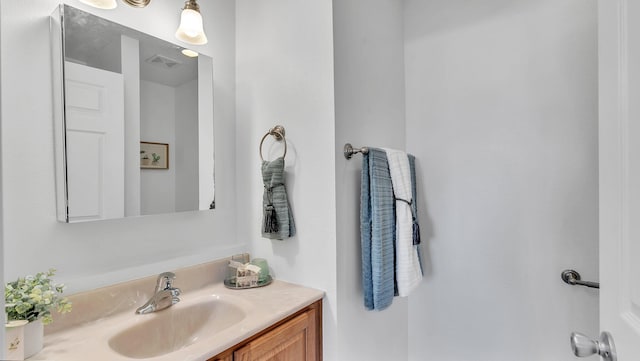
(206,139)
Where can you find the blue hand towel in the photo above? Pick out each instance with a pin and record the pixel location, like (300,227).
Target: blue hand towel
(277,220)
(377,226)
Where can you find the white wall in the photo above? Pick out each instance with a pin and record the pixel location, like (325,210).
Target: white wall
(158,125)
(186,148)
(502,117)
(285,76)
(370,111)
(131,73)
(2,318)
(91,255)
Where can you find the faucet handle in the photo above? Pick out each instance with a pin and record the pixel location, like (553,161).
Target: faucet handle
(175,292)
(165,279)
(167,275)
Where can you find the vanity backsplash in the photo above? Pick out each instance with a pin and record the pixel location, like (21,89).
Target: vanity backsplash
(123,297)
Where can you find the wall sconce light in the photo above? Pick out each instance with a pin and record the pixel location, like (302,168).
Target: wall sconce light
(101,4)
(137,3)
(190,30)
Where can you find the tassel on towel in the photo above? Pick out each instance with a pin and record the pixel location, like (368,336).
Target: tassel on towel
(416,232)
(270,219)
(416,227)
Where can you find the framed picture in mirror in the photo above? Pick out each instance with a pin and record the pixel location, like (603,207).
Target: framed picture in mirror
(154,155)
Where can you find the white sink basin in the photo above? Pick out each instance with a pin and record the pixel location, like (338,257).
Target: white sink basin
(176,327)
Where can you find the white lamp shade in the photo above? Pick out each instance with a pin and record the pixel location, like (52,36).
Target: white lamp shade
(101,4)
(191,30)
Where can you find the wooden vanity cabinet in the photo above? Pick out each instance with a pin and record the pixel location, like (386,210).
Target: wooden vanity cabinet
(227,356)
(296,338)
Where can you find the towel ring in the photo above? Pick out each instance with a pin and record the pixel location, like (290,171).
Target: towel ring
(278,133)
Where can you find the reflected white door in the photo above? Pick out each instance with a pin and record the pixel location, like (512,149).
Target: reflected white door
(94,103)
(619,66)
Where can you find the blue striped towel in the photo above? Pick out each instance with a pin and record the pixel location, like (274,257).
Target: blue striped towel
(377,226)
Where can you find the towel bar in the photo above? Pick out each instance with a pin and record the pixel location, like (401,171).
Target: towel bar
(349,150)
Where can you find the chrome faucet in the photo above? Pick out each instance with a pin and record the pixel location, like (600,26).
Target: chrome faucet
(165,295)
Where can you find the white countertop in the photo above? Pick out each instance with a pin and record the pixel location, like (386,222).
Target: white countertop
(263,306)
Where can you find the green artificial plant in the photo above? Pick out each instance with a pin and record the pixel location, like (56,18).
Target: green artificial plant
(33,297)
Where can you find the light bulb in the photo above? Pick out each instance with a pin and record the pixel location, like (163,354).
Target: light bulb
(191,22)
(190,53)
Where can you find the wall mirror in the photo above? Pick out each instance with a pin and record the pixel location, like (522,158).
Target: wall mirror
(133,121)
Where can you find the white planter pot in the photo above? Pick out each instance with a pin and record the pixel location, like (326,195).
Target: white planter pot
(33,338)
(14,340)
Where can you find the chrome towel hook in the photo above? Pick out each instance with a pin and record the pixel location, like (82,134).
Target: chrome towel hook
(278,133)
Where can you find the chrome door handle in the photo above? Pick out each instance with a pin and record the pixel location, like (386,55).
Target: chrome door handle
(572,277)
(583,346)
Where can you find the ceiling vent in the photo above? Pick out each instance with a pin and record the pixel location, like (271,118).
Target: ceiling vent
(163,61)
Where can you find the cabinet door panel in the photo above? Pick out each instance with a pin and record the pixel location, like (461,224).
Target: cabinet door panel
(291,341)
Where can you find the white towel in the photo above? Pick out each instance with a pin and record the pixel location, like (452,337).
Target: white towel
(408,270)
